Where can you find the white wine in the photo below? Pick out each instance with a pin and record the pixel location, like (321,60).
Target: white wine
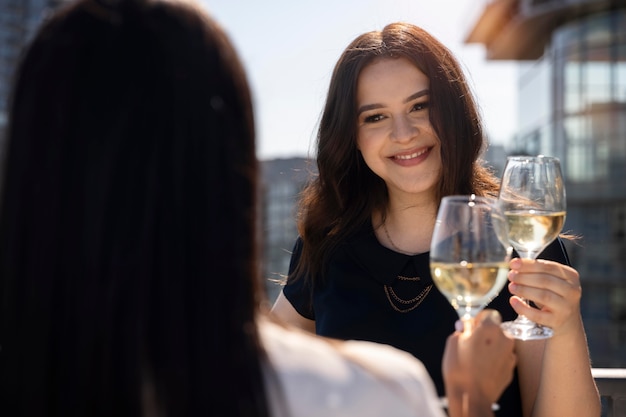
(469,286)
(530,231)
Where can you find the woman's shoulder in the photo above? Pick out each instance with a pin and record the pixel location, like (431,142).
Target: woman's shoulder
(327,377)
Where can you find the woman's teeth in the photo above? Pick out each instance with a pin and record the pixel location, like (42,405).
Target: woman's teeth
(410,156)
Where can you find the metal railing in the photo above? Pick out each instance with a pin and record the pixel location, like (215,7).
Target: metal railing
(611,383)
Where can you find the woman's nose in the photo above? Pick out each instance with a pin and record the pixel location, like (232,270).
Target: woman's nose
(403,129)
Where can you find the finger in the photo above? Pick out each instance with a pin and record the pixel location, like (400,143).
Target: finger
(450,353)
(544,266)
(546,298)
(458,326)
(530,265)
(562,299)
(544,316)
(489,315)
(565,289)
(534,314)
(535,279)
(489,333)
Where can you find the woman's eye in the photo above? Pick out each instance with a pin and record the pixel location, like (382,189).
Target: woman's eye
(373,118)
(420,106)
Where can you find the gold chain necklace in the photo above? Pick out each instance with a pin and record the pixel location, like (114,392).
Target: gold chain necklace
(393,245)
(389,292)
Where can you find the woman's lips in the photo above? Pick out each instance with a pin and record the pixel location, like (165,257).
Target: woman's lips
(411,155)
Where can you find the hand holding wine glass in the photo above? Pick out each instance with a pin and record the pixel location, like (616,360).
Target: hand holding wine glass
(469,256)
(478,367)
(532,197)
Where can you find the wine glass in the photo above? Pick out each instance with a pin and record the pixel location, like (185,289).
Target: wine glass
(532,197)
(469,253)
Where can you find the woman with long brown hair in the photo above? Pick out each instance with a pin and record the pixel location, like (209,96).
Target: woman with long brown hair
(399,131)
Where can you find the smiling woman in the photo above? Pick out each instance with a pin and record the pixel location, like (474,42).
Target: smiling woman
(400,130)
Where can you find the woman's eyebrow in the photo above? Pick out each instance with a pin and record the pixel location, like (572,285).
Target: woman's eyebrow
(373,106)
(417,95)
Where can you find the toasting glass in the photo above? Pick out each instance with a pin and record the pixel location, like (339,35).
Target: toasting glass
(469,253)
(532,197)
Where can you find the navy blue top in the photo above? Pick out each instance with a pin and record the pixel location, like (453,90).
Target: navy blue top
(373,293)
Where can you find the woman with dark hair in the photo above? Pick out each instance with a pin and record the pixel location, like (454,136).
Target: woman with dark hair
(129,281)
(399,131)
(112,222)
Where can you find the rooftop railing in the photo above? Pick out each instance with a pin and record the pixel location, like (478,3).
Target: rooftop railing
(611,383)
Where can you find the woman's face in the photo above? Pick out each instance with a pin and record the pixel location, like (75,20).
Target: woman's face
(394,133)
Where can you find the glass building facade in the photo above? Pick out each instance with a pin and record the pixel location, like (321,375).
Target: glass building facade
(572,104)
(589,55)
(18,21)
(282,182)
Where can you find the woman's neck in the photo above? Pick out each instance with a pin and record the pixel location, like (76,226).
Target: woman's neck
(406,226)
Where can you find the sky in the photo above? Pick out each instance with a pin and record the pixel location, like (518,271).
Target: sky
(289,49)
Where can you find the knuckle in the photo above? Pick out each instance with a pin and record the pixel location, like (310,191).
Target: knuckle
(544,297)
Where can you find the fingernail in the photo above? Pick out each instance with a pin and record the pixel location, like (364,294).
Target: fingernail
(494,315)
(515,263)
(458,326)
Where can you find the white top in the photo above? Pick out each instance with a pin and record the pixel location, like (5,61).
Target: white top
(321,377)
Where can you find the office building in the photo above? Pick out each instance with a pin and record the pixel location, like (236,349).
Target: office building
(572,104)
(282,181)
(18,21)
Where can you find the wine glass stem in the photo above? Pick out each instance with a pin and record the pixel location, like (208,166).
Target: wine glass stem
(522,318)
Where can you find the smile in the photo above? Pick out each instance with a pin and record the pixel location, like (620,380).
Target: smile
(411,155)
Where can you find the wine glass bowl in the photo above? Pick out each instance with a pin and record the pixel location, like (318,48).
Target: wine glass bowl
(532,197)
(533,230)
(469,253)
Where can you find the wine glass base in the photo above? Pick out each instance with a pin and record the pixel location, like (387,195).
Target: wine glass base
(526,331)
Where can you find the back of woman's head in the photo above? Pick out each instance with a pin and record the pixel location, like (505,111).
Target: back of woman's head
(127,249)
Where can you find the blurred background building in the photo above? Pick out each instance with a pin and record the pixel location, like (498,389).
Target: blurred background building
(282,181)
(572,104)
(18,21)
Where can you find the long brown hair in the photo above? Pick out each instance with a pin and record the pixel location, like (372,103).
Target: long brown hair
(345,192)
